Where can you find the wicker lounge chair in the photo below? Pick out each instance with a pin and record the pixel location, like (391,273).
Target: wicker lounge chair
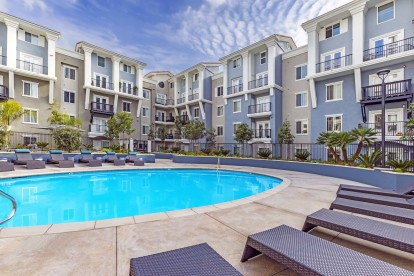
(88,158)
(24,157)
(133,158)
(112,158)
(405,191)
(56,157)
(378,199)
(374,210)
(6,166)
(390,235)
(309,255)
(198,259)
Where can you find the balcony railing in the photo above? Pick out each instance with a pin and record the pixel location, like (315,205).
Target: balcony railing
(259,108)
(102,84)
(180,100)
(262,133)
(3,60)
(334,64)
(170,119)
(159,118)
(100,108)
(389,49)
(129,90)
(163,101)
(97,128)
(392,90)
(391,128)
(258,83)
(234,89)
(193,97)
(4,92)
(184,119)
(170,136)
(32,67)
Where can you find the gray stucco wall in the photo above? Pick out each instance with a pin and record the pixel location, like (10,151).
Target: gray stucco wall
(3,39)
(217,101)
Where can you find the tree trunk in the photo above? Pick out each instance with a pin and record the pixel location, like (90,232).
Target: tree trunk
(334,154)
(358,151)
(345,154)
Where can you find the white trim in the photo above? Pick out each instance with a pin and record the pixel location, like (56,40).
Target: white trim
(30,109)
(31,83)
(333,84)
(102,97)
(301,65)
(97,61)
(260,57)
(72,68)
(330,53)
(382,4)
(399,33)
(130,106)
(63,95)
(142,110)
(307,126)
(235,123)
(234,101)
(333,116)
(307,99)
(233,60)
(222,126)
(142,127)
(222,106)
(331,25)
(194,109)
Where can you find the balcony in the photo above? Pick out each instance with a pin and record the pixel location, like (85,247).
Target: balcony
(394,91)
(102,83)
(181,100)
(165,102)
(262,133)
(193,97)
(101,108)
(32,67)
(159,118)
(184,119)
(391,128)
(234,89)
(129,90)
(4,93)
(3,60)
(258,83)
(170,119)
(334,64)
(95,128)
(170,136)
(260,108)
(389,49)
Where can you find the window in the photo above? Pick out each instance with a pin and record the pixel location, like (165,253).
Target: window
(105,144)
(127,68)
(30,116)
(301,71)
(333,30)
(262,57)
(196,112)
(332,60)
(334,123)
(27,140)
(30,89)
(236,62)
(219,91)
(334,92)
(386,12)
(235,127)
(126,107)
(195,77)
(302,127)
(126,87)
(145,112)
(302,99)
(145,130)
(146,93)
(220,131)
(70,73)
(220,111)
(68,97)
(101,61)
(172,85)
(31,38)
(236,106)
(102,81)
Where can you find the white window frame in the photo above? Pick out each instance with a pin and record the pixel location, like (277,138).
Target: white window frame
(149,93)
(301,126)
(126,87)
(31,83)
(222,134)
(1,80)
(234,62)
(30,109)
(222,108)
(235,123)
(240,106)
(63,96)
(102,97)
(70,68)
(101,82)
(217,91)
(265,57)
(331,25)
(196,77)
(143,113)
(33,60)
(31,35)
(143,129)
(198,111)
(399,33)
(97,61)
(333,84)
(382,4)
(123,64)
(333,116)
(306,97)
(331,54)
(301,73)
(130,106)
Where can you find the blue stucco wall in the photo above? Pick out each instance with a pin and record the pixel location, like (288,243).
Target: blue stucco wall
(277,117)
(258,68)
(336,42)
(208,86)
(234,72)
(278,70)
(234,117)
(208,110)
(31,49)
(127,77)
(107,70)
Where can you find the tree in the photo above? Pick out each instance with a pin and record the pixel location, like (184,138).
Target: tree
(325,138)
(162,134)
(342,140)
(119,125)
(194,130)
(365,137)
(243,135)
(10,111)
(285,135)
(178,131)
(211,138)
(409,125)
(151,133)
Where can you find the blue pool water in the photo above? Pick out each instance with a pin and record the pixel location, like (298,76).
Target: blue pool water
(61,198)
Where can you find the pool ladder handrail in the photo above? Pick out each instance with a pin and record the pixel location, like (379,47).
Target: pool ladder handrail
(13,212)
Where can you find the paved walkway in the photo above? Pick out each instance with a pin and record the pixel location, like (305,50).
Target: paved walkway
(102,249)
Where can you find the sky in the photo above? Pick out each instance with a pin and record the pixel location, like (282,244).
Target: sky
(170,34)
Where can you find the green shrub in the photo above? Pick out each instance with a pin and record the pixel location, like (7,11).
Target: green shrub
(216,152)
(400,166)
(175,149)
(105,149)
(42,145)
(264,153)
(224,152)
(206,151)
(67,138)
(302,155)
(367,160)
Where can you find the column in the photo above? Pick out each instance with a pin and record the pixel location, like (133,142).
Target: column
(175,90)
(202,111)
(51,90)
(225,78)
(358,31)
(201,83)
(116,103)
(313,49)
(51,58)
(115,73)
(11,42)
(313,93)
(88,73)
(246,65)
(187,86)
(139,109)
(358,84)
(187,108)
(11,84)
(87,98)
(139,81)
(271,61)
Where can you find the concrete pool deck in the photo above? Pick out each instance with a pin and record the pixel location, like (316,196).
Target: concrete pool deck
(100,248)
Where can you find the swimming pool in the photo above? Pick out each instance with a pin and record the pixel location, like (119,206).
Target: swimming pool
(75,197)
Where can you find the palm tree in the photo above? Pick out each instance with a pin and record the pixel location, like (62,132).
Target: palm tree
(342,140)
(325,138)
(10,111)
(365,137)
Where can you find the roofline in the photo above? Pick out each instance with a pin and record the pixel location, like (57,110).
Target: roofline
(31,24)
(159,73)
(87,44)
(295,52)
(205,64)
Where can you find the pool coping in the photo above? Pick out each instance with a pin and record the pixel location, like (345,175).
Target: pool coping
(47,229)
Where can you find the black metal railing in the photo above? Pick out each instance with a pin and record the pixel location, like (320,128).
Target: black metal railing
(4,92)
(234,89)
(184,119)
(392,90)
(262,133)
(102,108)
(159,118)
(170,136)
(258,83)
(170,119)
(391,128)
(389,49)
(160,101)
(334,64)
(96,128)
(180,100)
(32,67)
(102,84)
(129,90)
(3,60)
(193,97)
(259,108)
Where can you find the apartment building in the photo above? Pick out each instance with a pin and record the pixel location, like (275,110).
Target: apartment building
(347,47)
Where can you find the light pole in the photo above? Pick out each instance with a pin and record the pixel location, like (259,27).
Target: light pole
(383,75)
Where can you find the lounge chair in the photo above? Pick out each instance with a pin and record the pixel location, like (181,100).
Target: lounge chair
(6,166)
(24,157)
(378,199)
(56,157)
(133,158)
(405,192)
(374,210)
(390,235)
(88,158)
(198,259)
(112,158)
(309,255)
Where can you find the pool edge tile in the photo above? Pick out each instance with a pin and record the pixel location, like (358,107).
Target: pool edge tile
(71,227)
(114,222)
(150,217)
(13,232)
(180,213)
